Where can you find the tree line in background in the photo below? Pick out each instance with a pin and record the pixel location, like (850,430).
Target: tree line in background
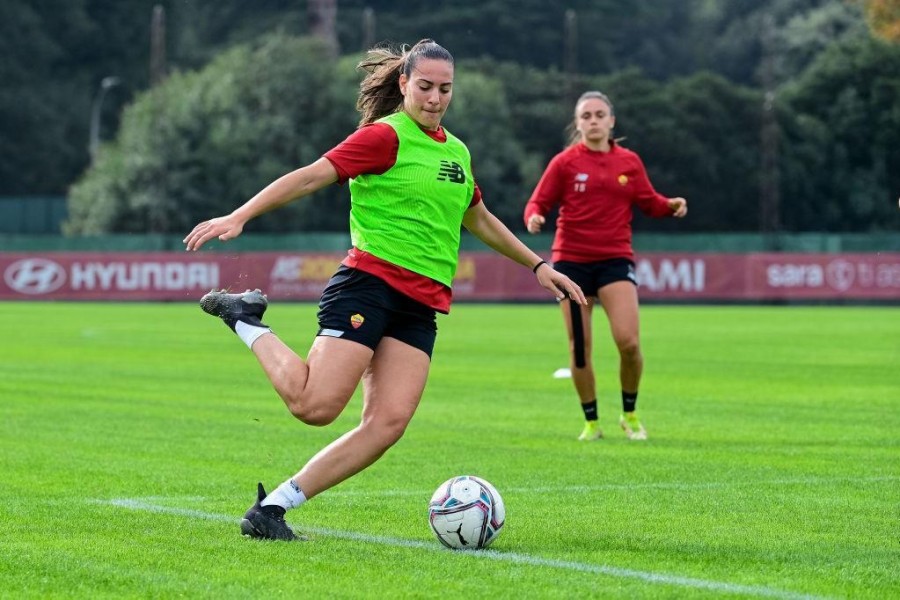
(772,115)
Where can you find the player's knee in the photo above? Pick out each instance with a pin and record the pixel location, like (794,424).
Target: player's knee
(314,417)
(630,348)
(388,428)
(392,432)
(313,411)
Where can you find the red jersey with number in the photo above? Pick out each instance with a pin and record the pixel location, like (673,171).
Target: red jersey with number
(596,192)
(372,150)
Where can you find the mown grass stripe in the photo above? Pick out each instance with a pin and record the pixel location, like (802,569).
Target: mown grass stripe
(511,557)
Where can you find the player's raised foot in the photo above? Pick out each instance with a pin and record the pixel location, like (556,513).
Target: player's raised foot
(248,307)
(632,427)
(590,432)
(267,522)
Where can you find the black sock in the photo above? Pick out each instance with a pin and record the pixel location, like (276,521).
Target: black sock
(590,410)
(629,401)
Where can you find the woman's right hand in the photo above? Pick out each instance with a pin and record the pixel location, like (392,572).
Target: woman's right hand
(534,223)
(224,228)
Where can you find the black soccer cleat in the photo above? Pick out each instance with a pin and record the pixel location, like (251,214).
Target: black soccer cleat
(248,307)
(267,522)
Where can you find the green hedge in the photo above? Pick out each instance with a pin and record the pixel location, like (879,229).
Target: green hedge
(337,242)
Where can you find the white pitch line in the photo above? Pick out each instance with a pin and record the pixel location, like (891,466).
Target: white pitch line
(511,557)
(634,486)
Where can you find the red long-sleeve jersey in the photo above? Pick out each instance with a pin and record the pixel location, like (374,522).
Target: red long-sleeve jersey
(595,192)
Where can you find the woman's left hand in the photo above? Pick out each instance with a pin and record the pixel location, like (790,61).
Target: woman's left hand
(678,206)
(561,286)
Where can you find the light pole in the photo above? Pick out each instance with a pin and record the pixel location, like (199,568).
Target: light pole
(94,141)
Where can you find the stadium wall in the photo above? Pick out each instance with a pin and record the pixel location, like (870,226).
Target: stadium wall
(689,269)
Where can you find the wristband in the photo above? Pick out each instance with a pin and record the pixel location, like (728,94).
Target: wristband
(535,268)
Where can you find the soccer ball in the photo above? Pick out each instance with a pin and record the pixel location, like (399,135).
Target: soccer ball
(466,513)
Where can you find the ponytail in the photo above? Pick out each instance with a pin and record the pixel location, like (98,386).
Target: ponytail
(379,91)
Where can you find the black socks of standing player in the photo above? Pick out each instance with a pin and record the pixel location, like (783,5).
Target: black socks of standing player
(590,410)
(629,402)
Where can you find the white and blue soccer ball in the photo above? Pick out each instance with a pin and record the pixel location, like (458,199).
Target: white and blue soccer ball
(466,513)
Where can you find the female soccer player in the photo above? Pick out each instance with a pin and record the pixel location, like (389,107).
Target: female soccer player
(411,189)
(596,183)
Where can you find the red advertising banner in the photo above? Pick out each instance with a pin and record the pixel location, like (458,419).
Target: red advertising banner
(485,276)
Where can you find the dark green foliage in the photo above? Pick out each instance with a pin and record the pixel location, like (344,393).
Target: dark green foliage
(54,55)
(36,110)
(842,139)
(699,137)
(685,76)
(204,142)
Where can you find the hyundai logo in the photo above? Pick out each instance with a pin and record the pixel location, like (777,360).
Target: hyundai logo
(34,276)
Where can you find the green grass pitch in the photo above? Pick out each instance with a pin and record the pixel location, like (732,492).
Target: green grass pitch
(132,437)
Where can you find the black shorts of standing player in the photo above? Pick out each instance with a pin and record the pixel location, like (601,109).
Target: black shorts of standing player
(590,277)
(360,307)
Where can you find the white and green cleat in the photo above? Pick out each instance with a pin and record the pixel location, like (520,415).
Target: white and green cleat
(590,432)
(632,427)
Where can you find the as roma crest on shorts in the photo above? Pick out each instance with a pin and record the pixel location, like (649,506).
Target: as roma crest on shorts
(357,320)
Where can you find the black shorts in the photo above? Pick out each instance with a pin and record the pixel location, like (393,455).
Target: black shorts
(590,277)
(360,307)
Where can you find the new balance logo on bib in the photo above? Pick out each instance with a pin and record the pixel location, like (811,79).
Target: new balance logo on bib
(452,172)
